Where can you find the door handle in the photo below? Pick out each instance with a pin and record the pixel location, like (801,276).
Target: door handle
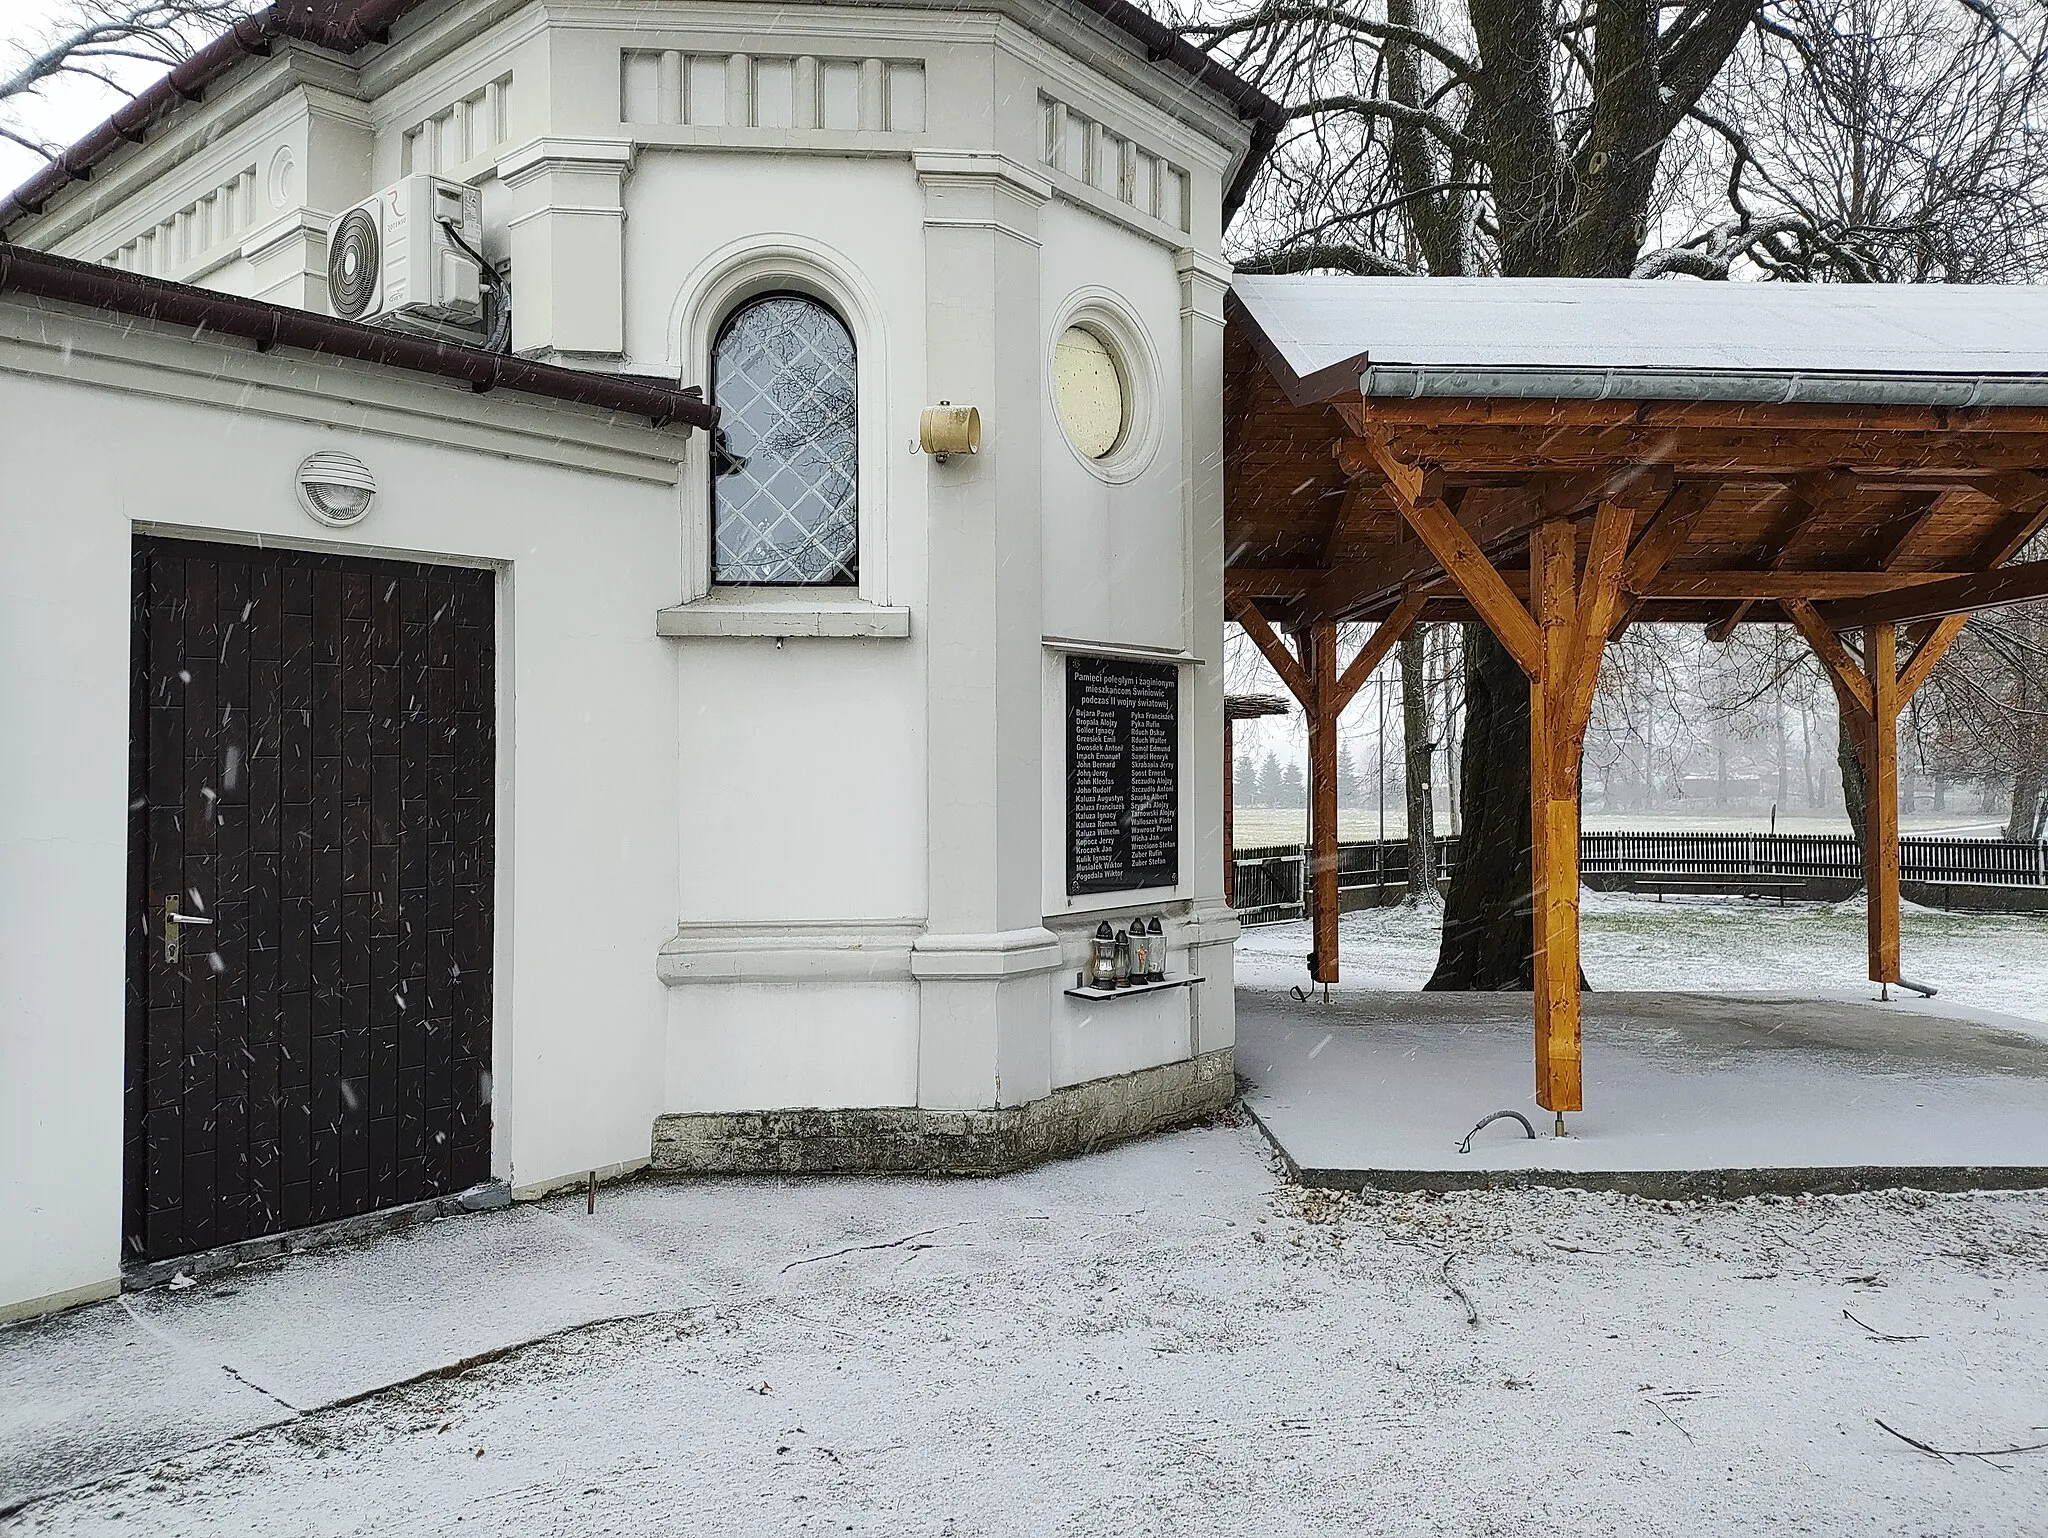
(173,922)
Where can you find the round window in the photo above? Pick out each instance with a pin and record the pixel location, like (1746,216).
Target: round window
(1089,387)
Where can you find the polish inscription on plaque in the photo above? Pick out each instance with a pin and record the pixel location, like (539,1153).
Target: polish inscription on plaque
(1123,775)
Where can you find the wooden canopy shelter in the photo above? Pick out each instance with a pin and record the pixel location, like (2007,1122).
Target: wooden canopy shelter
(1561,459)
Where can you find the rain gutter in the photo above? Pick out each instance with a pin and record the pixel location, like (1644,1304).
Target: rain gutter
(37,275)
(1953,391)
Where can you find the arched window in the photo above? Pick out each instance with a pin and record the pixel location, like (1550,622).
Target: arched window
(785,466)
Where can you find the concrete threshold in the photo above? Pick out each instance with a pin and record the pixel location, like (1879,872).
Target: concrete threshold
(488,1196)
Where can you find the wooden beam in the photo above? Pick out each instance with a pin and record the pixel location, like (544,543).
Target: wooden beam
(1842,669)
(1320,655)
(1247,615)
(1349,511)
(1599,607)
(1462,560)
(1755,450)
(1807,498)
(1897,537)
(1881,804)
(1229,810)
(1766,586)
(1554,824)
(1776,586)
(1356,585)
(2025,500)
(1385,637)
(1273,581)
(1927,655)
(1934,600)
(1666,533)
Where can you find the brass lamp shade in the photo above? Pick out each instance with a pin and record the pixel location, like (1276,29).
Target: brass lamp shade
(947,429)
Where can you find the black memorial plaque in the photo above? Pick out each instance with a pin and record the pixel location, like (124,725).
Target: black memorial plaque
(1123,775)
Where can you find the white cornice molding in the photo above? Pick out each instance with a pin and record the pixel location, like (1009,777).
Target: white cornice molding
(299,224)
(90,348)
(789,951)
(1079,42)
(522,162)
(936,167)
(986,958)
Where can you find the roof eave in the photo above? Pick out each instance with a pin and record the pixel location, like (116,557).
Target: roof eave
(1400,381)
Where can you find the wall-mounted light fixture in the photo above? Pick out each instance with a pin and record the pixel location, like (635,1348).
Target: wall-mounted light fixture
(336,488)
(947,429)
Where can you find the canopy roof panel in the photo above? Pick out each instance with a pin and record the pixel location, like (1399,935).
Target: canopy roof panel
(1568,338)
(1546,400)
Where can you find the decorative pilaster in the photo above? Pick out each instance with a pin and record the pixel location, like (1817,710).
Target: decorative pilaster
(983,1031)
(1212,927)
(567,229)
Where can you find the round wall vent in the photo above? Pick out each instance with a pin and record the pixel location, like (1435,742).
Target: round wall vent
(353,256)
(336,488)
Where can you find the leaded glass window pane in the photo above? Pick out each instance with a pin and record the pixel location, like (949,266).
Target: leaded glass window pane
(785,468)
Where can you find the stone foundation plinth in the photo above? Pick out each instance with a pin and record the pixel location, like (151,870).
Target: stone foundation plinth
(913,1140)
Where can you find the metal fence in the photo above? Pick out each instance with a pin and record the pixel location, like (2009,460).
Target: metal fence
(1269,879)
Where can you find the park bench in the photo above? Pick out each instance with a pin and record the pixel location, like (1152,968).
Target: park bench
(1738,885)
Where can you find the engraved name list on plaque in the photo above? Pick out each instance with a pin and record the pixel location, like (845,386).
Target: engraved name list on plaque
(1123,775)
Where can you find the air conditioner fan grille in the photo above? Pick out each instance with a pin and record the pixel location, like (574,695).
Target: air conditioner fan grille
(353,255)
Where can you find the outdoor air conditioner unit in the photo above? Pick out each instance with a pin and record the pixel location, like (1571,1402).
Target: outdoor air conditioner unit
(390,261)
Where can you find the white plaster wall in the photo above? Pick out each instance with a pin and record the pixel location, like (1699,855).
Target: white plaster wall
(766,1045)
(588,838)
(1114,552)
(802,762)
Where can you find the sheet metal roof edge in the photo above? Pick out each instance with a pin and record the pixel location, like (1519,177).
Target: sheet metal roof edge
(371,21)
(1334,379)
(1789,387)
(1847,387)
(36,274)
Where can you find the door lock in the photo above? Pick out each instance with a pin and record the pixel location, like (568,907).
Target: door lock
(173,920)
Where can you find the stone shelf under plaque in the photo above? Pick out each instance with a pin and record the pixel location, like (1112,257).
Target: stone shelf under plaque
(1171,980)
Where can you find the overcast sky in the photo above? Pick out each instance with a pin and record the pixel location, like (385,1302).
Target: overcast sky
(68,110)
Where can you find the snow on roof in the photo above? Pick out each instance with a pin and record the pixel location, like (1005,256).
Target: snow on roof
(1577,338)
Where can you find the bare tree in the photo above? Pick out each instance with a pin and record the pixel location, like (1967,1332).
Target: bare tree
(1871,141)
(1985,709)
(113,43)
(1449,137)
(1417,753)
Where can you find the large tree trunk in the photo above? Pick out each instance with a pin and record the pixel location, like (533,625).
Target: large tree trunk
(1417,756)
(2023,818)
(1853,799)
(1487,939)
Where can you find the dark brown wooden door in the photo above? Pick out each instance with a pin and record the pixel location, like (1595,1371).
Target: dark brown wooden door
(312,771)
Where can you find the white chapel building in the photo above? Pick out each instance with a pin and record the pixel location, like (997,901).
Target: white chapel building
(441,756)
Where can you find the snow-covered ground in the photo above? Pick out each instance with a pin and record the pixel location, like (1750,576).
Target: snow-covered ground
(1988,961)
(1160,1339)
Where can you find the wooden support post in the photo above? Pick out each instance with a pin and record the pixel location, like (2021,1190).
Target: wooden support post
(1229,810)
(1881,803)
(1320,656)
(1871,696)
(1554,820)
